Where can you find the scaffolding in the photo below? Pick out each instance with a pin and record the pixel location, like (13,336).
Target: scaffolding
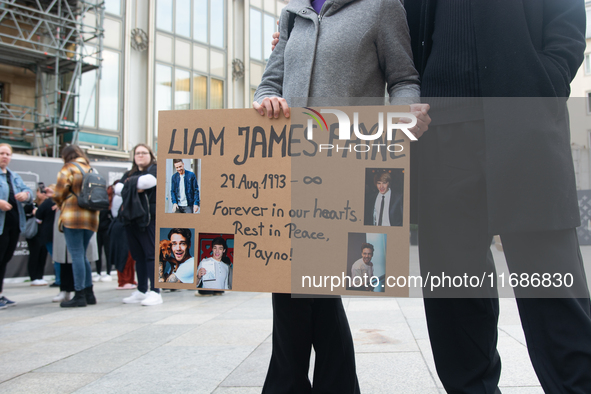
(57,40)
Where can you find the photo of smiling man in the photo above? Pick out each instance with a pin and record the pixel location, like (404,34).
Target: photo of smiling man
(176,262)
(383,196)
(363,267)
(214,272)
(366,262)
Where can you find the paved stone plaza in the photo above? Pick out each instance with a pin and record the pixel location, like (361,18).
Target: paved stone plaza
(218,345)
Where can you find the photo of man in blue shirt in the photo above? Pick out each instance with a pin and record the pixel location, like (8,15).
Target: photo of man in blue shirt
(184,190)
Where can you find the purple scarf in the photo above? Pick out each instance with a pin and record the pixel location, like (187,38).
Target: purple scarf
(317,5)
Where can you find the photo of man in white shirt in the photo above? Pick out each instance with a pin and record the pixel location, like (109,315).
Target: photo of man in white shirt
(213,272)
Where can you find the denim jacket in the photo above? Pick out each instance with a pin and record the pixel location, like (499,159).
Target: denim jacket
(191,188)
(19,186)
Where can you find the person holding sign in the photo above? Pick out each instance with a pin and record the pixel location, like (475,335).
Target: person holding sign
(338,49)
(184,190)
(213,272)
(507,171)
(180,268)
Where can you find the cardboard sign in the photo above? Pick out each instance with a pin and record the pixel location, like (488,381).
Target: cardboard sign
(283,205)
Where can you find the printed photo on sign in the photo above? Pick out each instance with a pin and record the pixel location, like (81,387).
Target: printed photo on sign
(366,262)
(183,186)
(384,191)
(216,261)
(176,262)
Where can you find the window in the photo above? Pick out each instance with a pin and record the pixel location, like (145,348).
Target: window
(588,62)
(263,23)
(262,26)
(183,18)
(191,55)
(217,25)
(109,91)
(256,34)
(163,89)
(113,7)
(588,35)
(164,15)
(182,90)
(99,103)
(200,21)
(589,102)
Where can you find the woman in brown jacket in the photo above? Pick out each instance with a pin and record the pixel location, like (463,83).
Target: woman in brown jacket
(77,224)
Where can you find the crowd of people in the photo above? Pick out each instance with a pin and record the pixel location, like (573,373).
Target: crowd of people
(53,223)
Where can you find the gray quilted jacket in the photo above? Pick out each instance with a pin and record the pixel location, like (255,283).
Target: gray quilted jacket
(354,48)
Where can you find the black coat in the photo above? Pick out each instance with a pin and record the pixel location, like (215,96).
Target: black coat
(135,208)
(527,49)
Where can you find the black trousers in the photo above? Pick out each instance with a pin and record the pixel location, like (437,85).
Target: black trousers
(299,324)
(142,246)
(37,257)
(453,238)
(8,242)
(66,278)
(103,241)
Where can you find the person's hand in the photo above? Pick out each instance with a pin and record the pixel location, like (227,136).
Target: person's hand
(55,207)
(5,205)
(34,211)
(421,112)
(195,208)
(275,39)
(140,190)
(273,106)
(175,207)
(49,192)
(22,196)
(201,273)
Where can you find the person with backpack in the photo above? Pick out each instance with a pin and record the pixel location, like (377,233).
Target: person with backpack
(138,213)
(77,223)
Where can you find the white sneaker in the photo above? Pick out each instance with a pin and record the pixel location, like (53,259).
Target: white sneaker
(135,298)
(152,298)
(96,277)
(41,282)
(62,296)
(106,278)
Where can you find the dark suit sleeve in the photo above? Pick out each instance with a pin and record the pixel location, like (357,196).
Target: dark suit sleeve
(563,42)
(396,201)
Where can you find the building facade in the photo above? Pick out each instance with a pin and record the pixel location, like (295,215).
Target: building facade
(156,55)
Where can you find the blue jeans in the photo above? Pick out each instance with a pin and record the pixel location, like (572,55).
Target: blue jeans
(77,242)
